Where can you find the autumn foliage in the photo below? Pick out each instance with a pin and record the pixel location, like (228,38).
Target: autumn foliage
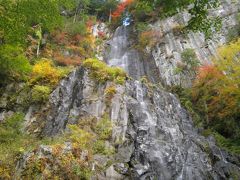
(121,8)
(207,71)
(206,88)
(216,91)
(66,60)
(72,47)
(45,73)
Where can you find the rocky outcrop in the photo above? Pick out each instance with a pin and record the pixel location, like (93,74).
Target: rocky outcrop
(153,134)
(167,52)
(14,97)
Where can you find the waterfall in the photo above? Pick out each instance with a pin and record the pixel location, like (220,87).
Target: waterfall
(167,146)
(154,135)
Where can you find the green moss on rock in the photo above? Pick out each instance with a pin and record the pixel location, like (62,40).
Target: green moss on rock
(100,72)
(40,93)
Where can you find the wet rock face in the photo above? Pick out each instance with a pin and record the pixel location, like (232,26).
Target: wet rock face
(158,140)
(122,54)
(166,145)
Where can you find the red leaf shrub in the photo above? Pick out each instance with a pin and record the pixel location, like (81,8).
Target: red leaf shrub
(101,34)
(59,37)
(121,8)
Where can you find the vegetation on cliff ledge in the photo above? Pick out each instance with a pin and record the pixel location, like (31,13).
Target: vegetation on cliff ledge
(101,72)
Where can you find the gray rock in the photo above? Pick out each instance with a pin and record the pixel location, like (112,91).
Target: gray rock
(5,114)
(167,53)
(153,133)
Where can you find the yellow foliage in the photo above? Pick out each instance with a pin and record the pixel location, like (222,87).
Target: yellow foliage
(102,73)
(44,72)
(110,92)
(5,173)
(216,92)
(229,61)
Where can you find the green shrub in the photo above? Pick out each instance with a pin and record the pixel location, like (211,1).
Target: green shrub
(74,28)
(11,128)
(104,128)
(13,142)
(189,63)
(231,145)
(101,72)
(13,63)
(141,26)
(99,147)
(190,59)
(40,93)
(82,173)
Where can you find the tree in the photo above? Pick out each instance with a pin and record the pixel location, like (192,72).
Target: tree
(16,21)
(12,23)
(121,8)
(81,7)
(13,63)
(190,60)
(17,17)
(216,91)
(102,8)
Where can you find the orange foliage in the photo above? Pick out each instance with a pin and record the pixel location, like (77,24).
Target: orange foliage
(79,47)
(208,70)
(90,23)
(67,60)
(121,8)
(59,37)
(213,89)
(78,38)
(216,92)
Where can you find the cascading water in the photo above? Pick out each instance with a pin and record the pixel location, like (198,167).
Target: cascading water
(123,55)
(155,135)
(166,145)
